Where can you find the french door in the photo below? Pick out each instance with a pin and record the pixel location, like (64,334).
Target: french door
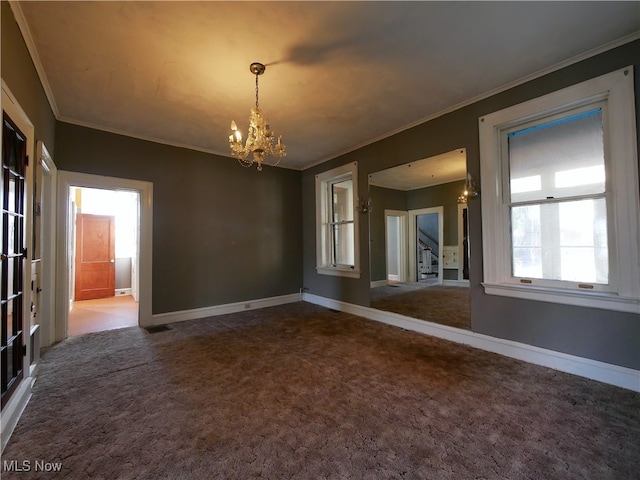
(13,254)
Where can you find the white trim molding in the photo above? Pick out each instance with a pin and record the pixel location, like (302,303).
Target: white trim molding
(324,235)
(197,313)
(17,402)
(615,92)
(584,367)
(66,180)
(14,408)
(455,283)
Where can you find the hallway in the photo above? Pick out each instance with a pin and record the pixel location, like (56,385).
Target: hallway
(89,316)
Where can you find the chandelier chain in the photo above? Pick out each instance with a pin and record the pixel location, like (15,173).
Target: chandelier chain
(257,105)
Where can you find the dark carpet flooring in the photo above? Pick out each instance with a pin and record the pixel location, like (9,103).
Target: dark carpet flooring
(302,392)
(446,305)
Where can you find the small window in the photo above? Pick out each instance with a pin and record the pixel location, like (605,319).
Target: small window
(337,222)
(560,196)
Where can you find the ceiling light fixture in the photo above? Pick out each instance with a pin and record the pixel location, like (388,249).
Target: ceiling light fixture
(260,138)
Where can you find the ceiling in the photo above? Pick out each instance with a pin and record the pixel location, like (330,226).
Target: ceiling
(339,75)
(444,168)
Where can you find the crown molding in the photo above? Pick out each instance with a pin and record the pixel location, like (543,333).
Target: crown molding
(35,58)
(28,39)
(540,73)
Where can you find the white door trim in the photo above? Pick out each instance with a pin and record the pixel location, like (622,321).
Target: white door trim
(461,207)
(413,271)
(402,243)
(66,180)
(13,409)
(48,180)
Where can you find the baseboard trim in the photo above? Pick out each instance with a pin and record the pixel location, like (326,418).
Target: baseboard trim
(456,283)
(379,283)
(123,291)
(196,313)
(595,370)
(14,408)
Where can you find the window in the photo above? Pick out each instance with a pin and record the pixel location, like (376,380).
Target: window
(560,197)
(337,222)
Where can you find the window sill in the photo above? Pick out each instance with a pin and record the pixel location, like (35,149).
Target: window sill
(606,301)
(338,272)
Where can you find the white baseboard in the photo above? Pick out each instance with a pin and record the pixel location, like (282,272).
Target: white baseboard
(456,283)
(603,372)
(123,291)
(181,316)
(14,408)
(379,283)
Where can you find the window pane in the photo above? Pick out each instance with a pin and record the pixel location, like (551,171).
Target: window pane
(526,241)
(342,201)
(343,244)
(561,241)
(558,159)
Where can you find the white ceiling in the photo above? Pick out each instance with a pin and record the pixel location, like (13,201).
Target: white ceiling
(339,74)
(444,168)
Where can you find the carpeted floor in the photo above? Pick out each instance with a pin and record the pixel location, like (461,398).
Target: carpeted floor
(302,392)
(446,305)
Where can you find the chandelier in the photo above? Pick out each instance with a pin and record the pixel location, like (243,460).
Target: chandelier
(260,138)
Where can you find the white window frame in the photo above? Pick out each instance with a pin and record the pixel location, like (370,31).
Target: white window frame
(324,265)
(616,91)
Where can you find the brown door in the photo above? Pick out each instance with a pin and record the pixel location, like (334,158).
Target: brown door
(95,256)
(13,253)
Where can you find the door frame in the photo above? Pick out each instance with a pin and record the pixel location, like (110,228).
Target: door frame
(48,179)
(11,412)
(413,234)
(66,180)
(461,208)
(403,217)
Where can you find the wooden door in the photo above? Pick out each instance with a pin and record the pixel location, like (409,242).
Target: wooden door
(95,256)
(13,254)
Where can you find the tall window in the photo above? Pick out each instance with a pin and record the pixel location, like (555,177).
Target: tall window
(557,199)
(337,222)
(561,222)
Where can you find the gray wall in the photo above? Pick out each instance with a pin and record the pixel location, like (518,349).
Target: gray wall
(22,79)
(221,233)
(381,199)
(592,333)
(445,195)
(123,273)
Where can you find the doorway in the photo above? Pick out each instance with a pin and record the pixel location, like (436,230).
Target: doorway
(396,245)
(13,254)
(463,242)
(104,267)
(426,233)
(140,280)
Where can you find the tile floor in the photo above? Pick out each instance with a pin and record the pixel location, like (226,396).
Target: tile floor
(101,314)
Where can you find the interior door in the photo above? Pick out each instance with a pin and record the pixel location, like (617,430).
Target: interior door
(95,256)
(13,254)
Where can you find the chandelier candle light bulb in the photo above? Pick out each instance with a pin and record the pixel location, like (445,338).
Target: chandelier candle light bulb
(260,138)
